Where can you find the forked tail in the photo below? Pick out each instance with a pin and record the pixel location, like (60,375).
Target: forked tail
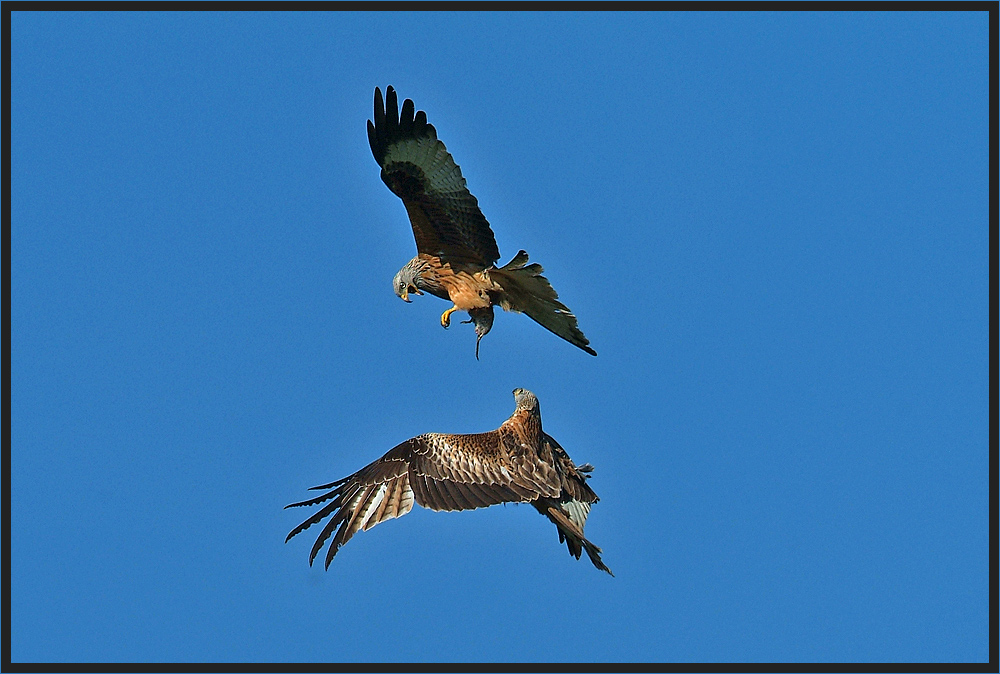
(571,533)
(527,291)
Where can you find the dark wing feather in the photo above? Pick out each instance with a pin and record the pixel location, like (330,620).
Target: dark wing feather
(438,471)
(574,478)
(417,167)
(378,492)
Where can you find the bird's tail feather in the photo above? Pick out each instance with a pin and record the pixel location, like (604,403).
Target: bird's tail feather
(527,291)
(573,535)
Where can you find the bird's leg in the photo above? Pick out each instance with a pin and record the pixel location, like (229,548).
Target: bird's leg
(446,317)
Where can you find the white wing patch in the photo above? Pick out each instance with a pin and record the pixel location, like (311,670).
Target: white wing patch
(577,511)
(371,505)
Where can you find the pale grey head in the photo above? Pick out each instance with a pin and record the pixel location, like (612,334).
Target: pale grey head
(417,276)
(405,281)
(525,399)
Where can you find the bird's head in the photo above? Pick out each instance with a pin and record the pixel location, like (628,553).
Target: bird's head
(525,399)
(404,283)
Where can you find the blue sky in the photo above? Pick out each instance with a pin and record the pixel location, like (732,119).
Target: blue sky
(772,227)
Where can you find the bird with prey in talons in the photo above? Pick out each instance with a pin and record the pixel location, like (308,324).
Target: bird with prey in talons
(456,250)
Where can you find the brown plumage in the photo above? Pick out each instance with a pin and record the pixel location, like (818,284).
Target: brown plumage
(517,463)
(456,250)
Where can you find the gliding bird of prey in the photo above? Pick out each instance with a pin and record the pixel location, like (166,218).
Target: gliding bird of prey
(456,251)
(518,462)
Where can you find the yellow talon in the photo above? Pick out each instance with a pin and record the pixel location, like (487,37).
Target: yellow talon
(446,317)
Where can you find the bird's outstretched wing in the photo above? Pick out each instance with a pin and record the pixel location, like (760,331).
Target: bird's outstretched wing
(446,219)
(525,290)
(438,471)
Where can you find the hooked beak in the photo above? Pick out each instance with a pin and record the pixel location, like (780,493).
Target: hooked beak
(410,289)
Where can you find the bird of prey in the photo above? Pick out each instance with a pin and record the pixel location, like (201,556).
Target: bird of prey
(516,463)
(456,251)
